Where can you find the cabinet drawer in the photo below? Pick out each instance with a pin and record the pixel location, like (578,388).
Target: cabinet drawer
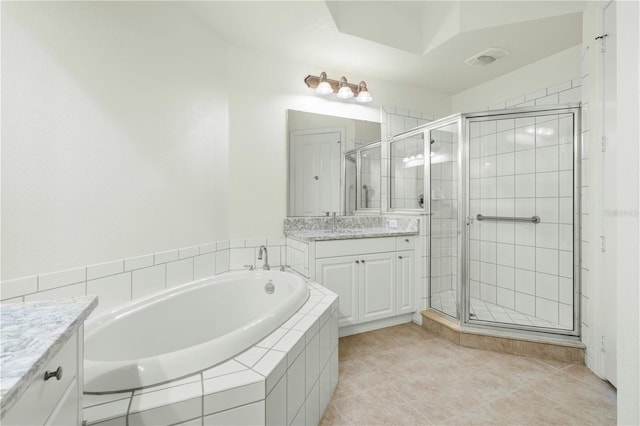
(406,242)
(354,247)
(41,397)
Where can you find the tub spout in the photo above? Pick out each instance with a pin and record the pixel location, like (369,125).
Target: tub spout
(266,266)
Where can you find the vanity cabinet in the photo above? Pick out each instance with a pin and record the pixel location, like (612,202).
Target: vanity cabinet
(55,401)
(373,277)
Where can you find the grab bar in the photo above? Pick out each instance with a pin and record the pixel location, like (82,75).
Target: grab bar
(534,219)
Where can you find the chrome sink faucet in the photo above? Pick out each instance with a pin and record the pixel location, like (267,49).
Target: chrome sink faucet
(266,266)
(333,222)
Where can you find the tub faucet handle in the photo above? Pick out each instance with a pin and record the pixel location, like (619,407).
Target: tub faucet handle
(249,267)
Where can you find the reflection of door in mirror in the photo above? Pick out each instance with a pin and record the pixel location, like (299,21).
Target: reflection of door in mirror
(314,167)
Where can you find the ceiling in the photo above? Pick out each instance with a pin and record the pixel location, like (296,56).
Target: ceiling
(420,43)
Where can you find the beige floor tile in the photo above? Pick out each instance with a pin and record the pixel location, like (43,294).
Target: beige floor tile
(405,375)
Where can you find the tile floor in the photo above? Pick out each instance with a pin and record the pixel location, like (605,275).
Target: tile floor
(486,311)
(404,375)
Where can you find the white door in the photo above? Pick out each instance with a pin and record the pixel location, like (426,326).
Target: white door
(340,275)
(377,286)
(405,282)
(611,222)
(314,167)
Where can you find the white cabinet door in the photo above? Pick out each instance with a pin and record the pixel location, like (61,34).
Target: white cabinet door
(405,282)
(377,286)
(340,275)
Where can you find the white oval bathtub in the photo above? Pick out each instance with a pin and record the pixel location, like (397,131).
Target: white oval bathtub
(186,329)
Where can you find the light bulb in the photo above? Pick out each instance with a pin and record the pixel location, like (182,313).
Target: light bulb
(324,88)
(345,92)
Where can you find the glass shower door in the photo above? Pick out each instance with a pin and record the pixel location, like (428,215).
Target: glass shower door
(445,235)
(522,234)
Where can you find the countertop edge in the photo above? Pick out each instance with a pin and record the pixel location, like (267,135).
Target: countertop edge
(19,387)
(329,237)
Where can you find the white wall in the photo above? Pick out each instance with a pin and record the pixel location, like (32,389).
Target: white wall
(262,88)
(628,295)
(114,140)
(546,72)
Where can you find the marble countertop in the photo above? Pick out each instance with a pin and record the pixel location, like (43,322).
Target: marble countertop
(31,333)
(344,234)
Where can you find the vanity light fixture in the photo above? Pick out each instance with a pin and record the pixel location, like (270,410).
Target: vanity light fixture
(344,89)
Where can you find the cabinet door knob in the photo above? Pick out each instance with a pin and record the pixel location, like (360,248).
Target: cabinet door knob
(357,261)
(406,240)
(362,261)
(399,257)
(50,374)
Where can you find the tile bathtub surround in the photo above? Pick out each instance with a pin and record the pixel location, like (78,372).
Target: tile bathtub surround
(406,375)
(129,279)
(29,334)
(287,377)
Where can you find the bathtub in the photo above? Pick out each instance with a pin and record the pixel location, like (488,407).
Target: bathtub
(187,329)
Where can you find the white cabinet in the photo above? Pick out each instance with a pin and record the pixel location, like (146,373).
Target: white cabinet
(56,400)
(377,286)
(373,277)
(340,275)
(405,281)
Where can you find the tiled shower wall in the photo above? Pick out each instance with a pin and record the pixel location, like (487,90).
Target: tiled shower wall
(444,209)
(407,173)
(129,279)
(523,167)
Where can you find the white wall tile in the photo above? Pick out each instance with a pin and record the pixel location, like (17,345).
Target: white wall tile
(546,235)
(222,245)
(506,277)
(559,87)
(547,310)
(111,291)
(565,210)
(506,298)
(104,269)
(312,363)
(272,366)
(240,257)
(505,187)
(276,404)
(565,156)
(251,414)
(547,159)
(216,400)
(525,257)
(548,100)
(488,273)
(535,95)
(565,291)
(547,133)
(237,243)
(207,248)
(312,406)
(525,186)
(566,315)
(505,232)
(18,287)
(547,210)
(525,161)
(565,184)
(547,261)
(204,266)
(525,281)
(166,256)
(188,252)
(138,262)
(255,242)
(179,272)
(61,278)
(565,236)
(546,184)
(566,264)
(222,261)
(72,290)
(547,286)
(525,234)
(505,164)
(525,303)
(570,96)
(505,254)
(524,137)
(148,280)
(295,387)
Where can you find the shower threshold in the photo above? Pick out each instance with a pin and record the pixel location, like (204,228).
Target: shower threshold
(560,348)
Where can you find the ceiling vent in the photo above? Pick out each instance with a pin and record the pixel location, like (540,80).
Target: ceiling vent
(486,57)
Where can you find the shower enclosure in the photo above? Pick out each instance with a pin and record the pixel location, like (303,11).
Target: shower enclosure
(502,192)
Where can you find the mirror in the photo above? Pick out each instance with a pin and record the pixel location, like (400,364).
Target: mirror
(316,147)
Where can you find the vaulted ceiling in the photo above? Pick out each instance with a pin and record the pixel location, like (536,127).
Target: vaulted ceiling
(421,43)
